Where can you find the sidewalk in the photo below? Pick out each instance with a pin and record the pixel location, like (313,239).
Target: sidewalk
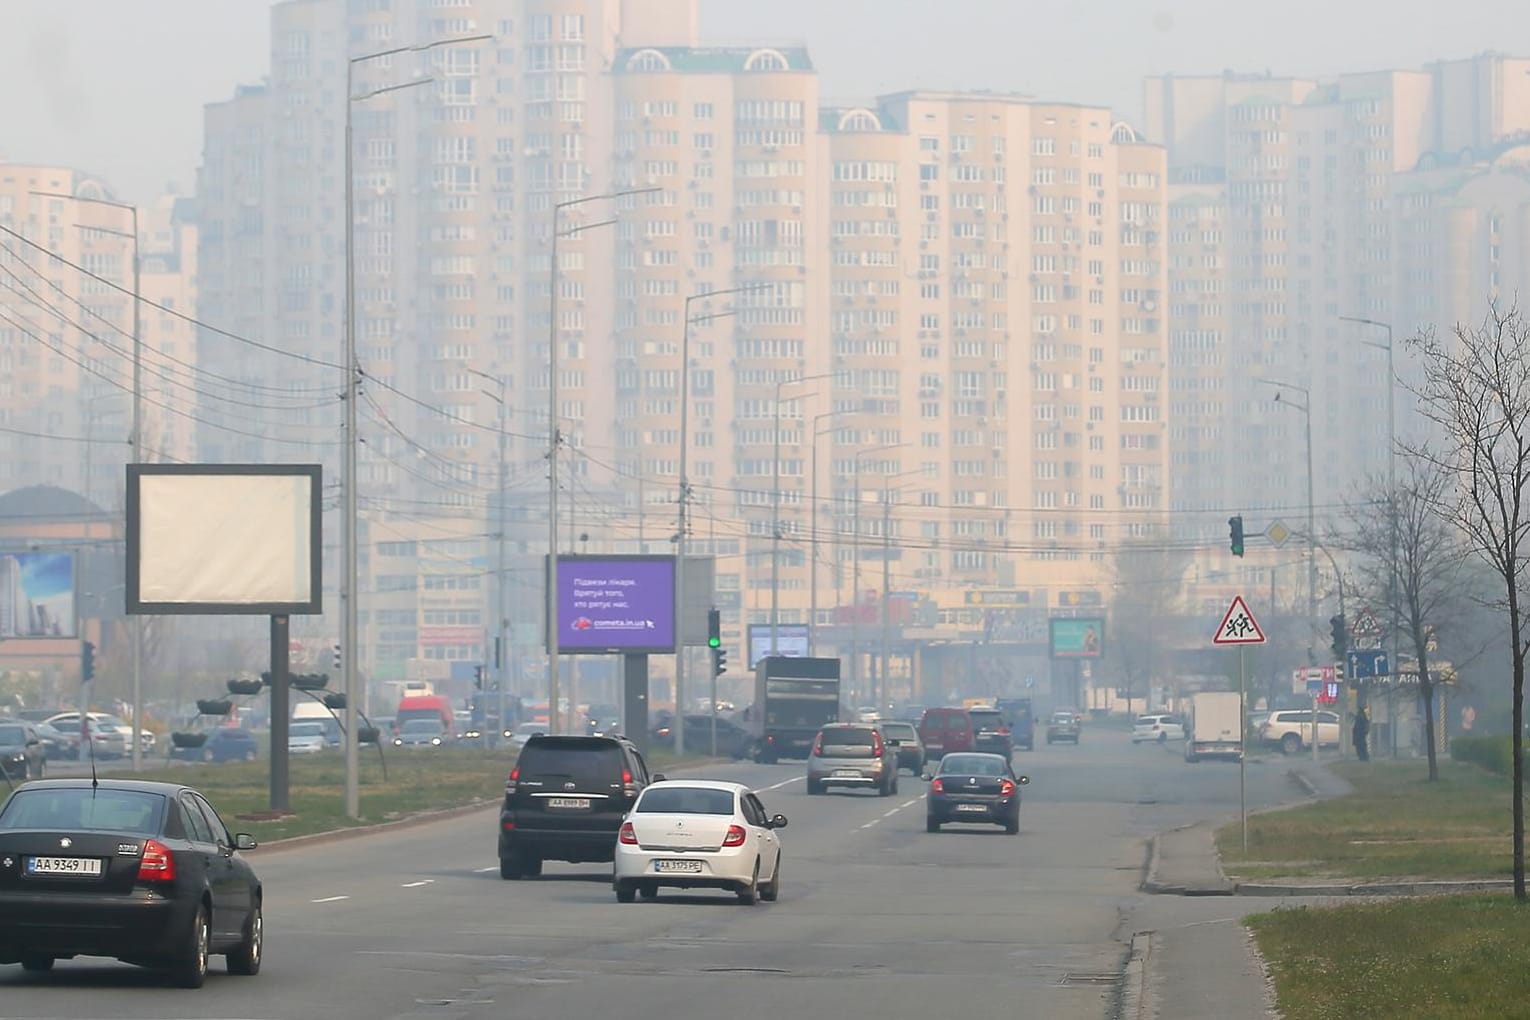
(1191,958)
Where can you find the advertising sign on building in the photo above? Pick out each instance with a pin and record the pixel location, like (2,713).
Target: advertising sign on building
(1077,637)
(37,595)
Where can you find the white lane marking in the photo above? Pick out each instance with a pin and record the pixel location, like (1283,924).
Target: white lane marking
(784,782)
(416,885)
(894,811)
(871,823)
(484,871)
(909,803)
(330,899)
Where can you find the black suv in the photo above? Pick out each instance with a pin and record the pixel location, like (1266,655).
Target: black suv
(990,732)
(565,801)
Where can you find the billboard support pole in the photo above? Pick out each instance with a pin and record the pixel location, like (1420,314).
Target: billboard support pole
(635,699)
(280,714)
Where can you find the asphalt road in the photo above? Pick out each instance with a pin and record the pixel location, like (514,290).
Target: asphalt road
(877,918)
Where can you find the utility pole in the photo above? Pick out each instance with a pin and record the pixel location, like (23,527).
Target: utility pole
(682,500)
(135,436)
(1392,579)
(349,519)
(555,438)
(775,502)
(813,539)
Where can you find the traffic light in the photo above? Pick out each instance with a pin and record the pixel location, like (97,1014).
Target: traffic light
(337,658)
(477,678)
(714,628)
(87,662)
(1340,636)
(719,662)
(1235,534)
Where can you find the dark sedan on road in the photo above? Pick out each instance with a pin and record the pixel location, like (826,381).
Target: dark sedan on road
(974,787)
(1063,726)
(21,751)
(143,872)
(223,744)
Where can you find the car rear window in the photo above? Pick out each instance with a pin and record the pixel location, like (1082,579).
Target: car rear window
(587,762)
(81,808)
(686,800)
(311,729)
(847,737)
(898,731)
(986,720)
(971,765)
(946,721)
(12,735)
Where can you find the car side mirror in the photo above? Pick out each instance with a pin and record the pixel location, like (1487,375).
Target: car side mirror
(778,821)
(658,777)
(926,776)
(1025,780)
(244,841)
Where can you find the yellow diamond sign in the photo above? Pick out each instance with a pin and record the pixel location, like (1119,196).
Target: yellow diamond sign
(1277,533)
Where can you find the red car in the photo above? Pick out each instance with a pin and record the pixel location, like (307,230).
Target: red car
(945,731)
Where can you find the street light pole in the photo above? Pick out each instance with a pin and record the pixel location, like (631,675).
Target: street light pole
(855,568)
(1392,579)
(349,514)
(1306,410)
(813,538)
(554,438)
(501,588)
(775,502)
(135,439)
(682,501)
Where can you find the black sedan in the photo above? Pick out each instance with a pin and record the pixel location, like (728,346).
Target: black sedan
(972,787)
(22,753)
(143,872)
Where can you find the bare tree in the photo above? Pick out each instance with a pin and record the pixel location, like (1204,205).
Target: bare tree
(1146,609)
(1432,585)
(1476,390)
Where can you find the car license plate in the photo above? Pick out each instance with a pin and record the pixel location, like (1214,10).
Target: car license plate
(848,773)
(64,866)
(568,803)
(972,808)
(680,867)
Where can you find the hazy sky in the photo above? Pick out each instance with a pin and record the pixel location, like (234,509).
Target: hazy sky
(116,87)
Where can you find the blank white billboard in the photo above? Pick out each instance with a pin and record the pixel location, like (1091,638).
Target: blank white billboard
(224,538)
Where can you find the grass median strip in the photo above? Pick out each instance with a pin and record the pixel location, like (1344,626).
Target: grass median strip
(1435,958)
(417,781)
(1393,825)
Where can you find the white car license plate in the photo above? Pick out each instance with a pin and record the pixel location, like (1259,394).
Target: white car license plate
(973,808)
(680,867)
(848,773)
(64,866)
(568,803)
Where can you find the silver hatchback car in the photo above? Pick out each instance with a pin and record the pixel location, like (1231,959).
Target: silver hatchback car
(853,754)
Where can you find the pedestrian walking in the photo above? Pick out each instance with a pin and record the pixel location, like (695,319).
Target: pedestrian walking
(1362,729)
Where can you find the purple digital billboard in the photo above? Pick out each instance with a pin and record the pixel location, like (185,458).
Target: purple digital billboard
(616,604)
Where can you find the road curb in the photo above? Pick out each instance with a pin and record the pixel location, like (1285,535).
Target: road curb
(1133,990)
(414,820)
(1427,888)
(1306,784)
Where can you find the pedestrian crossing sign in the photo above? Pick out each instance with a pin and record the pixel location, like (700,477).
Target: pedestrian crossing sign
(1238,626)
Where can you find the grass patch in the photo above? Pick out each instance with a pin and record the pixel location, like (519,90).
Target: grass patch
(417,781)
(1438,958)
(1394,825)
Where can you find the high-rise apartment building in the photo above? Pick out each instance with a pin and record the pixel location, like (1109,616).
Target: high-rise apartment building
(952,305)
(1295,206)
(66,331)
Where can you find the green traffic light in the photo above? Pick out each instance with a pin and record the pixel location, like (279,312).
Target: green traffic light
(714,642)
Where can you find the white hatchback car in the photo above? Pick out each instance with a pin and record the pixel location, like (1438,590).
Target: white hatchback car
(1161,728)
(697,834)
